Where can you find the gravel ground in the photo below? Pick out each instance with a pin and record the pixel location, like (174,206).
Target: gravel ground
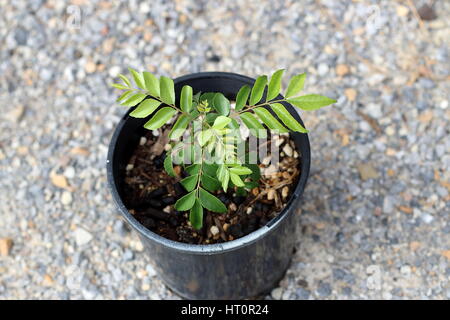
(375,214)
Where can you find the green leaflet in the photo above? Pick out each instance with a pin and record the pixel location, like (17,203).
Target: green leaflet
(251,184)
(138,78)
(236,180)
(168,165)
(186,202)
(221,104)
(167,90)
(224,176)
(275,84)
(186,99)
(295,85)
(287,118)
(269,120)
(209,183)
(256,171)
(193,169)
(178,152)
(196,215)
(134,100)
(211,144)
(208,96)
(254,125)
(125,80)
(311,101)
(234,125)
(221,122)
(210,168)
(179,128)
(145,108)
(239,170)
(258,90)
(160,118)
(151,84)
(242,97)
(189,183)
(196,98)
(211,117)
(119,86)
(124,95)
(210,202)
(204,136)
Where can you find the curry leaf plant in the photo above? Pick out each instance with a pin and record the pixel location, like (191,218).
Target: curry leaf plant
(212,133)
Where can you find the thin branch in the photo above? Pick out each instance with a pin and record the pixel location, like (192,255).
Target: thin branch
(256,105)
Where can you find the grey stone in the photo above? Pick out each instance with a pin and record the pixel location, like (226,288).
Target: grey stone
(120,228)
(21,36)
(374,110)
(347,291)
(388,204)
(324,289)
(303,294)
(339,274)
(127,255)
(426,83)
(322,69)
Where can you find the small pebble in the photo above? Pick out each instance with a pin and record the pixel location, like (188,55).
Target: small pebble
(427,218)
(69,172)
(287,149)
(405,270)
(16,114)
(278,141)
(114,71)
(367,171)
(5,246)
(66,198)
(277,293)
(284,192)
(90,67)
(266,160)
(214,230)
(82,236)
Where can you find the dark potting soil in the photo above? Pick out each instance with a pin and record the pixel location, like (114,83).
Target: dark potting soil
(149,194)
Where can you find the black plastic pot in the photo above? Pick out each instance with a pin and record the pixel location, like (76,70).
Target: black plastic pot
(242,268)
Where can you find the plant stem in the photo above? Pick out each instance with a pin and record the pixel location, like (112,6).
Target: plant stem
(247,107)
(200,173)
